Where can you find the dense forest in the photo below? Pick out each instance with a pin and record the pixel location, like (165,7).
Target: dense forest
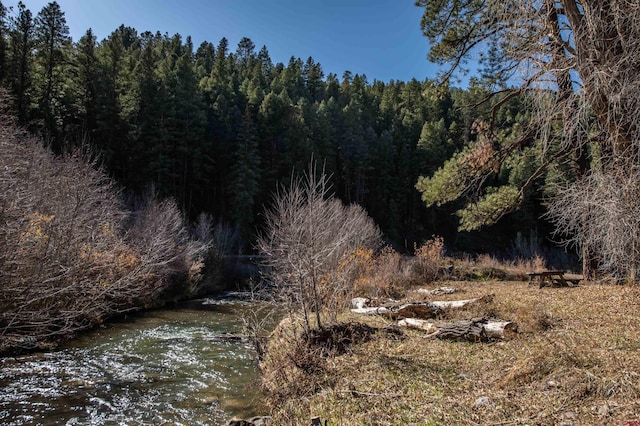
(219,129)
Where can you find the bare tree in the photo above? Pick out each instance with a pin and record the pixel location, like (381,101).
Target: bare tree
(70,254)
(308,232)
(609,204)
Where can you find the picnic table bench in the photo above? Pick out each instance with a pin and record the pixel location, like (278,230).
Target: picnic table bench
(552,279)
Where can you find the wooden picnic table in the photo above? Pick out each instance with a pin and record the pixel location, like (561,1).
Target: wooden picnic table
(552,279)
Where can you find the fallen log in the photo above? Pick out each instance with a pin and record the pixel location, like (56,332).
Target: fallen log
(410,310)
(418,324)
(359,302)
(456,304)
(419,310)
(437,291)
(475,330)
(375,310)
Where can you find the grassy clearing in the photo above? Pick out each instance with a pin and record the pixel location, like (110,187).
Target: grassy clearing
(576,361)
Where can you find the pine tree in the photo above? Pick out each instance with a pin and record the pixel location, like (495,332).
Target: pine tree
(21,61)
(52,34)
(87,81)
(4,35)
(204,58)
(313,78)
(244,178)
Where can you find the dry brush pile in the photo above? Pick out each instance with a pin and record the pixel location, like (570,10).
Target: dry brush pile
(70,254)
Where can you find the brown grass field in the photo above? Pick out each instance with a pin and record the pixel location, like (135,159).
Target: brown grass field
(575,361)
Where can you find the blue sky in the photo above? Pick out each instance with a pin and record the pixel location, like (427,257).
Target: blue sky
(380,38)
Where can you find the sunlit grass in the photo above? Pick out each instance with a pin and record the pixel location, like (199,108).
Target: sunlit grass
(575,361)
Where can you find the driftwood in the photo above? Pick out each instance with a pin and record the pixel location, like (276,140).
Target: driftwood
(374,310)
(423,310)
(418,324)
(475,330)
(359,302)
(437,291)
(455,304)
(410,310)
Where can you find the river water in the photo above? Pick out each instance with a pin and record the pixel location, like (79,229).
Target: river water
(166,367)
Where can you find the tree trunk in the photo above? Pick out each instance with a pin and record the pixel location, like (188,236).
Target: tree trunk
(410,310)
(475,330)
(457,304)
(437,291)
(424,310)
(418,324)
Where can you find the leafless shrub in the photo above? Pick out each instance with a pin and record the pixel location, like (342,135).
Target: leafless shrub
(166,250)
(430,259)
(226,238)
(66,257)
(605,208)
(308,233)
(203,228)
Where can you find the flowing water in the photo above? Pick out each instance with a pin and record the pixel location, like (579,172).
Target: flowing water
(177,366)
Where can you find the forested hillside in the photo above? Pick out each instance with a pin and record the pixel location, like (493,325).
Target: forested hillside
(219,127)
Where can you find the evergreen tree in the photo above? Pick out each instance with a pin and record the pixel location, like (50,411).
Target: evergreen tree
(244,179)
(187,121)
(52,34)
(313,78)
(87,81)
(245,55)
(204,58)
(21,61)
(111,135)
(266,66)
(4,35)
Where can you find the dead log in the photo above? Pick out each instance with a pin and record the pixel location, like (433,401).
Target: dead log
(374,310)
(421,310)
(437,291)
(457,304)
(359,302)
(410,310)
(475,330)
(505,330)
(418,324)
(418,310)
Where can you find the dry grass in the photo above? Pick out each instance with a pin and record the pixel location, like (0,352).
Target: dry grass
(576,361)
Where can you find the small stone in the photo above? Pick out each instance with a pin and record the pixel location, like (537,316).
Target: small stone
(552,384)
(483,401)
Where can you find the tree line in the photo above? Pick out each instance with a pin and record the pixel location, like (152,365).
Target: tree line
(219,129)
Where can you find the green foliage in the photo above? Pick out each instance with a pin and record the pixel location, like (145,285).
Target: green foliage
(490,208)
(218,127)
(4,29)
(447,184)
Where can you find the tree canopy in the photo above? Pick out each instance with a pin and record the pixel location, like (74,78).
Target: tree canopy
(219,127)
(575,63)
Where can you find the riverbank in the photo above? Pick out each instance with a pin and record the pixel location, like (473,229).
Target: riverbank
(575,360)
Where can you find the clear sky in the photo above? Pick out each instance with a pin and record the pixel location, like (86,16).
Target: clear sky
(379,38)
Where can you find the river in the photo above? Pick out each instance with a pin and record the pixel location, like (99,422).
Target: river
(173,366)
